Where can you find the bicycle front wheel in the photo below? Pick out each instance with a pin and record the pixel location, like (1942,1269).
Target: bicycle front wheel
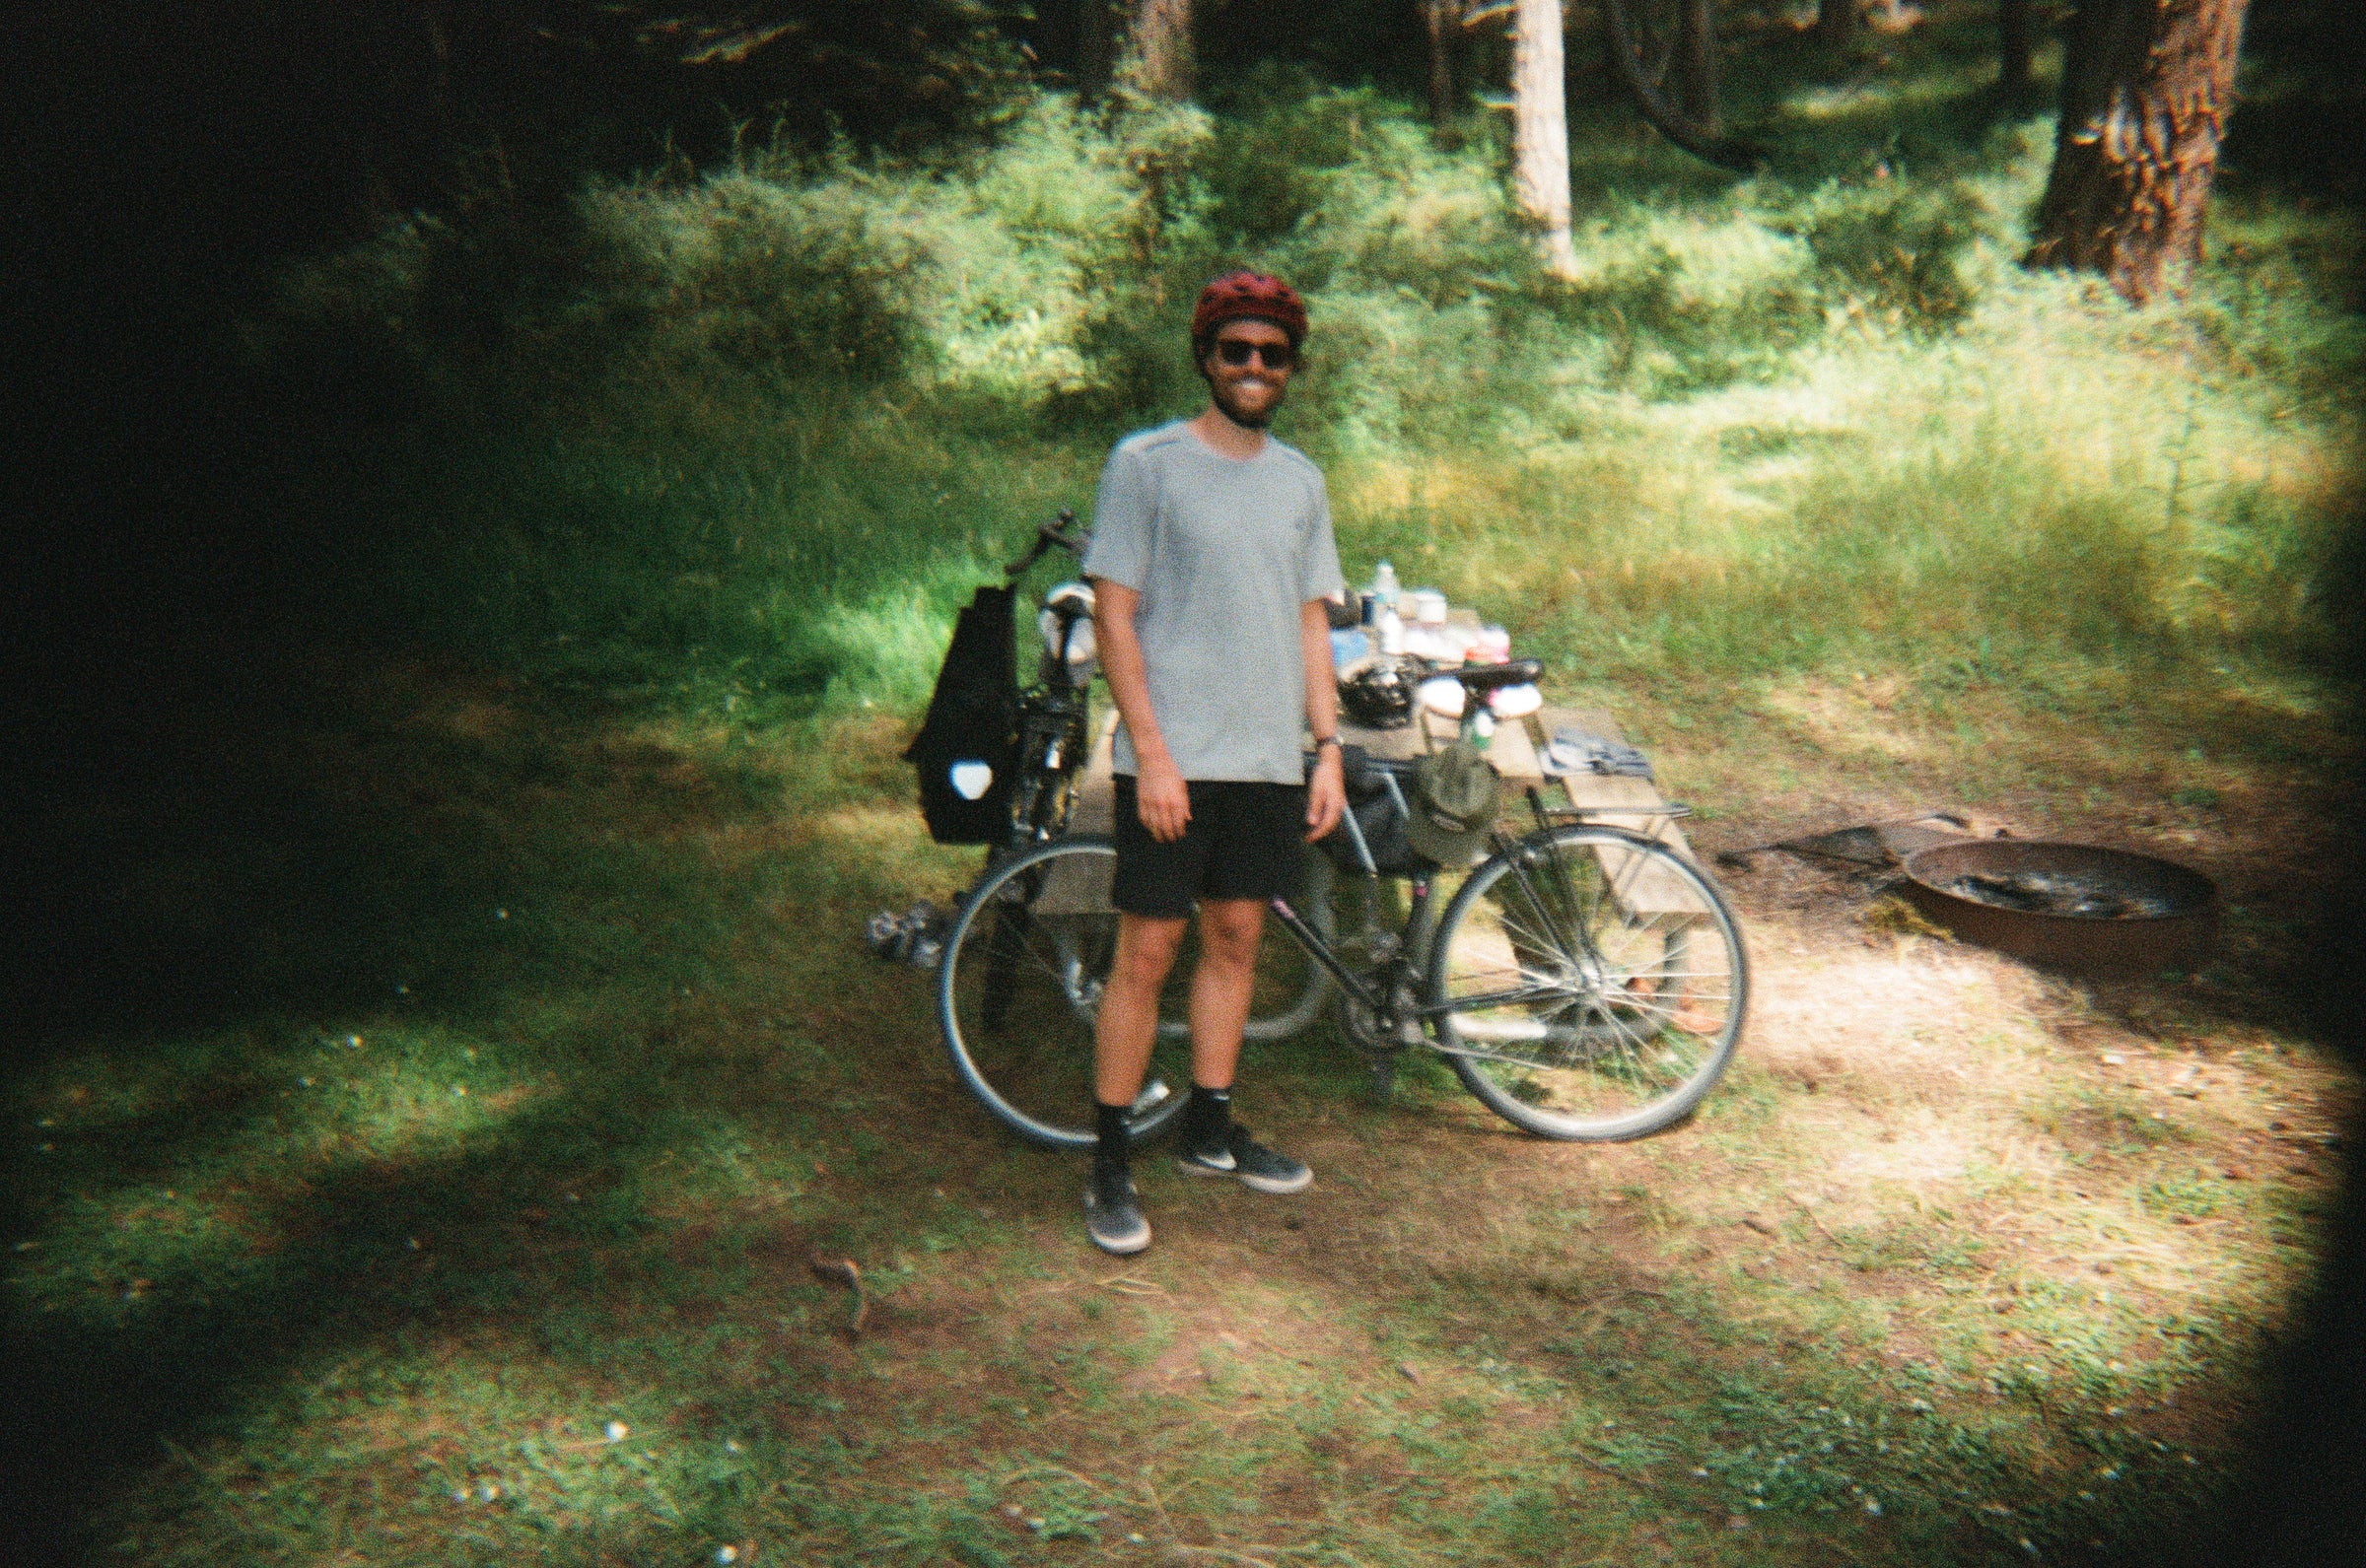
(1019,988)
(1588,984)
(1018,992)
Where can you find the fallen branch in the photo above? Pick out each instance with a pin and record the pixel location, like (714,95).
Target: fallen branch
(1616,1475)
(844,1269)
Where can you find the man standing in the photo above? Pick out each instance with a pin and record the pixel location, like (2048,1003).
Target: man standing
(1211,556)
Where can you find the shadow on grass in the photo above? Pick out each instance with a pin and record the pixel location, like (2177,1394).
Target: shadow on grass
(235,878)
(473,795)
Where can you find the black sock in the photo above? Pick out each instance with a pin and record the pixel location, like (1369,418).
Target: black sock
(1109,1122)
(1208,1117)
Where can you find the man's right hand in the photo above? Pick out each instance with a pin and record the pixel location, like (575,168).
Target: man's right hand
(1164,801)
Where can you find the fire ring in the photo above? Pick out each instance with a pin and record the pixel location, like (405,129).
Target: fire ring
(2066,905)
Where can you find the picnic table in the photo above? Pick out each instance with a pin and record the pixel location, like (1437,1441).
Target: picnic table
(1627,801)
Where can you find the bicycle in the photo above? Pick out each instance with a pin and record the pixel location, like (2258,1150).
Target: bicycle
(1584,980)
(1054,727)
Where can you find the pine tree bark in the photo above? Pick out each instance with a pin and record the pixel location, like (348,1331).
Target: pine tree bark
(1159,42)
(2015,41)
(2146,92)
(1096,48)
(1697,66)
(1541,131)
(1440,16)
(1836,21)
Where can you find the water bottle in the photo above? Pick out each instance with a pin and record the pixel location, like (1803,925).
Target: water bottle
(1385,585)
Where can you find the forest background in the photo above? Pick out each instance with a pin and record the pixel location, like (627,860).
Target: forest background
(651,375)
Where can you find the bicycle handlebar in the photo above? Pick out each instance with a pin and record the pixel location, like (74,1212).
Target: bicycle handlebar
(1047,534)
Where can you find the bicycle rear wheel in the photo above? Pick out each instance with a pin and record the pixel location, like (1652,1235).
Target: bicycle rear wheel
(1018,992)
(1591,983)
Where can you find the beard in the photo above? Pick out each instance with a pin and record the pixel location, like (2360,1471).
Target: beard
(1227,397)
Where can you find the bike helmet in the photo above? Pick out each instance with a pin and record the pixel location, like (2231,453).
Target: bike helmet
(1378,697)
(1247,296)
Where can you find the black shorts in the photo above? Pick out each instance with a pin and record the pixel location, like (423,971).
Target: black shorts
(1244,841)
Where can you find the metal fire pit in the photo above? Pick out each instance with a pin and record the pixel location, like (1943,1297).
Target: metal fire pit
(2065,905)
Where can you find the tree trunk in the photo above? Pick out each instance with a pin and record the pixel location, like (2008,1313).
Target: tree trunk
(2146,94)
(1440,16)
(1697,66)
(1836,21)
(1096,48)
(1160,45)
(1541,131)
(2015,41)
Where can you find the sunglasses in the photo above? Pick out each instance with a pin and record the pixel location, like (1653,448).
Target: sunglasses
(1239,351)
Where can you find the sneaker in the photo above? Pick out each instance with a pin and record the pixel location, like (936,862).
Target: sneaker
(1250,1162)
(1113,1214)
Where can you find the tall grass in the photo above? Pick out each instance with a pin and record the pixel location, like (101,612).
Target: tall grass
(759,428)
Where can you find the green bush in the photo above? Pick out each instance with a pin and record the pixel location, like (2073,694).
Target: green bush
(760,429)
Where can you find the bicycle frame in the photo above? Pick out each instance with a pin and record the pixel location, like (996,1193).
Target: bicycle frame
(1500,842)
(1054,718)
(1355,985)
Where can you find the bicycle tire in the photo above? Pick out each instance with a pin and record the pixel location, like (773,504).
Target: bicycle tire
(1018,990)
(1588,984)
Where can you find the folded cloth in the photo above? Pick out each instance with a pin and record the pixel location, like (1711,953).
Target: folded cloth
(1575,751)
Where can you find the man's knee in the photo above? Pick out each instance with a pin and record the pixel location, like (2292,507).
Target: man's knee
(1229,930)
(1145,950)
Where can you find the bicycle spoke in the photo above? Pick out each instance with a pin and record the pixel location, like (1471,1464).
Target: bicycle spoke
(1588,982)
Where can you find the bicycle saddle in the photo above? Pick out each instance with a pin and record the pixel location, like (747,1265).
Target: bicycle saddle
(1478,678)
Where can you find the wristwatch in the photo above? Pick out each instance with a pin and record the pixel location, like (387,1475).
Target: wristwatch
(1320,741)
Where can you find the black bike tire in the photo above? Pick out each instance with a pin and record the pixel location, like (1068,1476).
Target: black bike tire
(1641,1121)
(971,944)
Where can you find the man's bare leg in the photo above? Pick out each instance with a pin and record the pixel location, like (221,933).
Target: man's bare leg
(1222,985)
(1128,1025)
(1123,1036)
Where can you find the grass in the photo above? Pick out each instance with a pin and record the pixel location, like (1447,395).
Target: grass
(1931,1250)
(428,1147)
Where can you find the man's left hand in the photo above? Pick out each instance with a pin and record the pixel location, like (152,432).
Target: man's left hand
(1326,794)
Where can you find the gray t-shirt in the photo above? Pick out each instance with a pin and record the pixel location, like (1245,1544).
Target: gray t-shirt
(1226,554)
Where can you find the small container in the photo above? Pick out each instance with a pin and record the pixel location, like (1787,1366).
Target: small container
(1429,606)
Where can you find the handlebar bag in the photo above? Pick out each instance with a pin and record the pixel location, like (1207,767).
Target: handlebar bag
(967,750)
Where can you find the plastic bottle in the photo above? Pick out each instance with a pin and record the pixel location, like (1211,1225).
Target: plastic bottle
(1391,628)
(1385,585)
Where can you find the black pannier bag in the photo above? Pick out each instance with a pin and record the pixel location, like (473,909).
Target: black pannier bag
(967,749)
